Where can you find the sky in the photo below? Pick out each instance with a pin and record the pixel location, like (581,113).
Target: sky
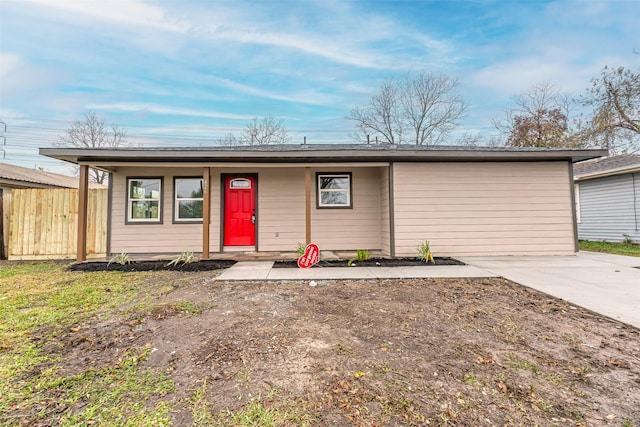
(185,73)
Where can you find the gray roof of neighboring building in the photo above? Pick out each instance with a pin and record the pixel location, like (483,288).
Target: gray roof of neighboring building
(605,166)
(21,177)
(314,152)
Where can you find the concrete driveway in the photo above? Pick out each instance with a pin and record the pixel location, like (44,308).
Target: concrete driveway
(604,283)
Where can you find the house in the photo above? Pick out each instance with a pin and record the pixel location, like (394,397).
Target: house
(465,201)
(16,177)
(608,198)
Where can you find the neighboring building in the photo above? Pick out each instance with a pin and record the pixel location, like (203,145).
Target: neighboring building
(608,198)
(465,201)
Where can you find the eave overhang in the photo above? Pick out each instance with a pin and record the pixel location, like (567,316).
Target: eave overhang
(108,158)
(630,169)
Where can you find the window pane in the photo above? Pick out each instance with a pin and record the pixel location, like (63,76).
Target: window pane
(144,210)
(144,189)
(334,183)
(190,209)
(189,188)
(240,183)
(333,198)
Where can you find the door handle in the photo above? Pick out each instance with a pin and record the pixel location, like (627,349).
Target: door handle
(253,219)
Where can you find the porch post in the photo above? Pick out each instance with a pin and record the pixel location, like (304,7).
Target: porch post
(307,199)
(83,195)
(206,211)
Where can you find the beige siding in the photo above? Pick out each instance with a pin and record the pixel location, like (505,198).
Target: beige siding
(281,210)
(384,211)
(155,238)
(483,208)
(350,229)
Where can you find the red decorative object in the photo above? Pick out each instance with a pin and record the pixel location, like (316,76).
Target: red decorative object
(310,257)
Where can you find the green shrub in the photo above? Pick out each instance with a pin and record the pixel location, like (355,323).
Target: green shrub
(362,255)
(122,258)
(186,257)
(424,251)
(301,248)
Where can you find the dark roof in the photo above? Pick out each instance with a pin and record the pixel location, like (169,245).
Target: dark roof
(284,153)
(607,165)
(20,177)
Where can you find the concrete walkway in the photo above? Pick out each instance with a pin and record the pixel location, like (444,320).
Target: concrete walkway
(262,270)
(604,283)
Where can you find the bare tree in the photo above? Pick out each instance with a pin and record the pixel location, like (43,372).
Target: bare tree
(264,131)
(383,116)
(417,110)
(229,139)
(432,106)
(615,100)
(92,133)
(539,118)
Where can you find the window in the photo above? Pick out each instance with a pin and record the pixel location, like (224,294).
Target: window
(240,183)
(188,199)
(144,200)
(334,190)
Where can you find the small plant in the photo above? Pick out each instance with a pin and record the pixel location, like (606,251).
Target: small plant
(186,257)
(301,248)
(122,258)
(424,250)
(362,255)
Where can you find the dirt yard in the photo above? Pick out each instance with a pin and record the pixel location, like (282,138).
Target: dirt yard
(371,353)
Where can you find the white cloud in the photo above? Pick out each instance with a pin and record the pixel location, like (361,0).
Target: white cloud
(130,12)
(162,110)
(303,97)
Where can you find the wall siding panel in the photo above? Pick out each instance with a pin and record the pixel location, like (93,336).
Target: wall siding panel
(153,238)
(384,211)
(610,208)
(280,212)
(281,209)
(483,208)
(350,229)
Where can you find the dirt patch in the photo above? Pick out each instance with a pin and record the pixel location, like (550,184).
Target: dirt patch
(373,262)
(381,352)
(202,265)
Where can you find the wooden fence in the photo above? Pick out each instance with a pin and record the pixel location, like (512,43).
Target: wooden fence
(43,223)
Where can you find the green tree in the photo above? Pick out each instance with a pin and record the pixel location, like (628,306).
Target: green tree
(614,122)
(539,118)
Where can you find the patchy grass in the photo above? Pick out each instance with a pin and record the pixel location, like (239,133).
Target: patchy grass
(270,410)
(172,348)
(630,249)
(38,303)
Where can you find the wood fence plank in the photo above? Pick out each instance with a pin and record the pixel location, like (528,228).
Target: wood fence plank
(43,223)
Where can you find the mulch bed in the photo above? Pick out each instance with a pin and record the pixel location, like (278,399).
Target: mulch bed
(202,265)
(374,262)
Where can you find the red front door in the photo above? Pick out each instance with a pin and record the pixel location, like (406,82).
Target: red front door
(240,211)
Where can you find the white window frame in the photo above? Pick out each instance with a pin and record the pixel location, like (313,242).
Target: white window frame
(177,200)
(320,190)
(131,200)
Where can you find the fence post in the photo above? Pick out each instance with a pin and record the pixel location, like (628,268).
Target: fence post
(2,254)
(83,195)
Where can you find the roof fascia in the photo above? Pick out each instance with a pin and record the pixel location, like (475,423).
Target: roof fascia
(611,172)
(105,158)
